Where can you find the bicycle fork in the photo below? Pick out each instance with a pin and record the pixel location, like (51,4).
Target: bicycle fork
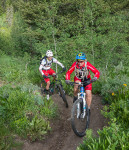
(84,107)
(78,110)
(83,113)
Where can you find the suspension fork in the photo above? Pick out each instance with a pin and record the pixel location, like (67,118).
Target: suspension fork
(81,95)
(84,106)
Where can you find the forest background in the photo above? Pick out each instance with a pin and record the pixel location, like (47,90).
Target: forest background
(28,28)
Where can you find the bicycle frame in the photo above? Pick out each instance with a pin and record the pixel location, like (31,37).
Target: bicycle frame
(56,84)
(82,96)
(80,117)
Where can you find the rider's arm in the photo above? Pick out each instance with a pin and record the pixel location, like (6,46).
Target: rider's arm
(72,68)
(57,62)
(41,66)
(93,69)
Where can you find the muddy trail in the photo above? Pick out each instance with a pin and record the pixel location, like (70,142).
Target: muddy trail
(62,136)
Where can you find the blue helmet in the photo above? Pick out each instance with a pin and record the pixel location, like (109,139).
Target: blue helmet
(81,56)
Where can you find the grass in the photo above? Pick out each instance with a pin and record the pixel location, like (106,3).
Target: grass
(23,110)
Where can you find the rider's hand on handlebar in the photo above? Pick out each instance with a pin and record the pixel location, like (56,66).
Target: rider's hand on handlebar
(45,76)
(94,79)
(64,68)
(67,81)
(54,75)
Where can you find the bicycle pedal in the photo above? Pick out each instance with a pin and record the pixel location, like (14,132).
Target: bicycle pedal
(51,90)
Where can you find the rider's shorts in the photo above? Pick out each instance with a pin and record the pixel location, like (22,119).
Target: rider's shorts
(88,87)
(48,72)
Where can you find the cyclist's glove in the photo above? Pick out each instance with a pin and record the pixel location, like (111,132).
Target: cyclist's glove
(64,69)
(54,75)
(94,79)
(45,76)
(67,81)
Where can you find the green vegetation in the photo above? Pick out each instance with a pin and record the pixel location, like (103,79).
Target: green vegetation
(23,111)
(117,134)
(27,29)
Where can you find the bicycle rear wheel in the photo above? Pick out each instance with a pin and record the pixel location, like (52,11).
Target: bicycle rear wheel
(62,94)
(79,124)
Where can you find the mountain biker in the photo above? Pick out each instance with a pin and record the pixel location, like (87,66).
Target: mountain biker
(45,68)
(82,73)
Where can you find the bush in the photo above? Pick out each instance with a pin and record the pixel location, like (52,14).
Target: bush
(120,106)
(23,111)
(110,82)
(110,138)
(115,136)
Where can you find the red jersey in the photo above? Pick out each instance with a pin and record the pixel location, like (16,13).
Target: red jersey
(88,67)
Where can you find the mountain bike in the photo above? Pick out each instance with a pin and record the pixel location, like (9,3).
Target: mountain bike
(80,117)
(55,87)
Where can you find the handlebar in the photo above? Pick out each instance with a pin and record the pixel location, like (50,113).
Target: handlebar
(81,83)
(55,74)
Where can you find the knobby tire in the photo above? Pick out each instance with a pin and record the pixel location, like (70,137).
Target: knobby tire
(77,122)
(62,94)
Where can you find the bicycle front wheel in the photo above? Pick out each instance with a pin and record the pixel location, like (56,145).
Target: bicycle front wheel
(79,122)
(62,94)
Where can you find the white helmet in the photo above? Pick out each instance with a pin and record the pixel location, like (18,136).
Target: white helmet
(49,53)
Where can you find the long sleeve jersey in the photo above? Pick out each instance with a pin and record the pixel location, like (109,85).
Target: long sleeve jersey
(88,66)
(46,64)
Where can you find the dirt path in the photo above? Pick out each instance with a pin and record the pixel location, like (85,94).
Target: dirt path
(62,136)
